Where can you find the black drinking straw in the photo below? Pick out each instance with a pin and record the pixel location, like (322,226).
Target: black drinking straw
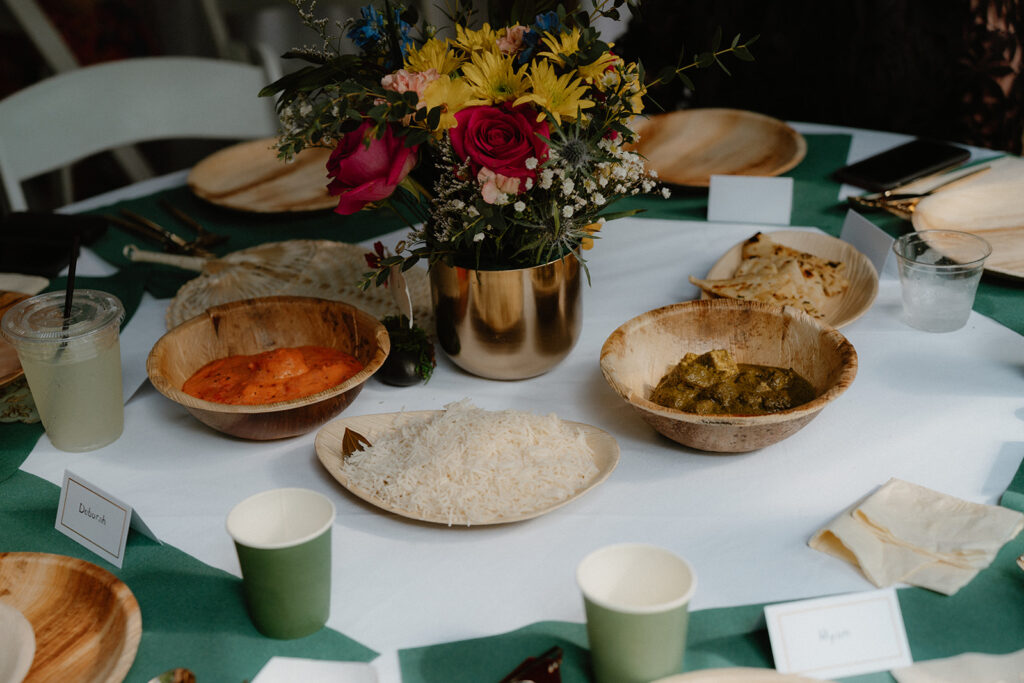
(69,291)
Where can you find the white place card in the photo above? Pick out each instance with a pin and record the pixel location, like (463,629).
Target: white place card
(97,520)
(870,240)
(287,669)
(839,636)
(750,199)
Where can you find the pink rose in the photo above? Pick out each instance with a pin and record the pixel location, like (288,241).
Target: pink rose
(361,174)
(406,81)
(500,138)
(512,41)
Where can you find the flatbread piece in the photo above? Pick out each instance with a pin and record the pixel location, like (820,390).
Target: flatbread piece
(774,273)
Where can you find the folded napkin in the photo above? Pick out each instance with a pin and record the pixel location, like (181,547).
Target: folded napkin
(971,667)
(908,533)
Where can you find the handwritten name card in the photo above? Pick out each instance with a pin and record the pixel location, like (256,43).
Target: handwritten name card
(96,519)
(839,636)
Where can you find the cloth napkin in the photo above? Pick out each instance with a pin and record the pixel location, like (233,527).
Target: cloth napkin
(971,667)
(907,533)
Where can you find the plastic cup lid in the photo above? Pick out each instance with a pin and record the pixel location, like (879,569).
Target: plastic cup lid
(40,319)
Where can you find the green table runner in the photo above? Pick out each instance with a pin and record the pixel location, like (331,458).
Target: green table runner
(815,197)
(175,590)
(984,616)
(192,615)
(815,203)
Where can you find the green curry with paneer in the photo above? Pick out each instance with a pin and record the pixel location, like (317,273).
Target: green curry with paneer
(713,383)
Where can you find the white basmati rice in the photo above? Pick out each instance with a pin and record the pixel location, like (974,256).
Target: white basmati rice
(467,465)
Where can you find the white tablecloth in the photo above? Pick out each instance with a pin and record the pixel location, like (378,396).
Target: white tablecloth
(941,410)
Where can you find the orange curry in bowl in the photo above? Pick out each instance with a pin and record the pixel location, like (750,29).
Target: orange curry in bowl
(272,376)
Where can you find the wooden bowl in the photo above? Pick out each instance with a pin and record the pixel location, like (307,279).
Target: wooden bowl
(256,325)
(639,353)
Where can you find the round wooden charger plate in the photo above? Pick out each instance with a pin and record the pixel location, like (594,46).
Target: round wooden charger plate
(317,268)
(87,622)
(603,446)
(737,675)
(10,366)
(687,147)
(839,310)
(249,177)
(988,206)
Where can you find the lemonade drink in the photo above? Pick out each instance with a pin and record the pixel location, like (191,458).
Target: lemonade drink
(73,367)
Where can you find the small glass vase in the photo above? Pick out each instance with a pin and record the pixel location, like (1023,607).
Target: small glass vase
(508,324)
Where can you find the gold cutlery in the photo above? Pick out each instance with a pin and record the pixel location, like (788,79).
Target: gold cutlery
(140,225)
(902,204)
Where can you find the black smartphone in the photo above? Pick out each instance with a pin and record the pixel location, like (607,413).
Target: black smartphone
(901,165)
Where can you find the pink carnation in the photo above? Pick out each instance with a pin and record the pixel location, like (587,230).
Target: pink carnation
(494,185)
(410,81)
(512,41)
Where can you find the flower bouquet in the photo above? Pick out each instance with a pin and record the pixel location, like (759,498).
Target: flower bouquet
(524,129)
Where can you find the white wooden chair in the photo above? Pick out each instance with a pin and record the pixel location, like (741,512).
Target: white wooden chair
(75,114)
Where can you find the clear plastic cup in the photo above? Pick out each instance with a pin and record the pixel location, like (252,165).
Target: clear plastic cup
(73,367)
(939,274)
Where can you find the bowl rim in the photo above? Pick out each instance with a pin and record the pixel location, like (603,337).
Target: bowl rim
(846,376)
(165,387)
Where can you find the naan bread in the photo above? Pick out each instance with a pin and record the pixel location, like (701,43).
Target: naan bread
(774,273)
(826,274)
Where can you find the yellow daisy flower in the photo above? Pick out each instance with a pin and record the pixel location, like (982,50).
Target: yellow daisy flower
(434,54)
(561,45)
(494,78)
(452,95)
(486,39)
(560,95)
(635,89)
(593,73)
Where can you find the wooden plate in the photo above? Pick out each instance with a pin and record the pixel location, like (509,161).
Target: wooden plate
(604,449)
(249,177)
(737,675)
(317,268)
(87,623)
(10,367)
(839,310)
(687,147)
(988,205)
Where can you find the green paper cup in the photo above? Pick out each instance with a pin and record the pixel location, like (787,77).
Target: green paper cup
(637,600)
(283,541)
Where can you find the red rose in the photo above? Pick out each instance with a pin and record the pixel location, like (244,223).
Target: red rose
(361,174)
(500,138)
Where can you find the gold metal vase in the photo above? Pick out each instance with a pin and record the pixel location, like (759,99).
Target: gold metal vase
(508,324)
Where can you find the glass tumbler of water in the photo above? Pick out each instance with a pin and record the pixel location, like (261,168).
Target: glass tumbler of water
(939,274)
(72,365)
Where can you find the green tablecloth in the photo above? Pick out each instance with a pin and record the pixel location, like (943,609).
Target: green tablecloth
(984,616)
(176,591)
(814,204)
(192,615)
